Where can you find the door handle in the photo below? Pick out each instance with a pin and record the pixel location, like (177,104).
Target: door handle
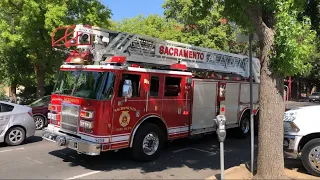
(147,101)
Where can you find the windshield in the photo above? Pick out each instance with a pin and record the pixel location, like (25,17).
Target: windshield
(315,94)
(41,102)
(85,84)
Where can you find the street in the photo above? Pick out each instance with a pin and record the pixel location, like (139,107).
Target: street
(180,159)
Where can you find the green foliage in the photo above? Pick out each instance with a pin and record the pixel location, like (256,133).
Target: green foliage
(294,42)
(203,21)
(25,34)
(293,38)
(153,25)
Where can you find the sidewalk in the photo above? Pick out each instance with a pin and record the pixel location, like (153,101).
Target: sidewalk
(241,172)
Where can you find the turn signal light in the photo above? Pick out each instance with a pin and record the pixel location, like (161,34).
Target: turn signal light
(86,114)
(52,107)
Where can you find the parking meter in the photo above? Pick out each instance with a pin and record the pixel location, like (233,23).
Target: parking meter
(221,127)
(222,133)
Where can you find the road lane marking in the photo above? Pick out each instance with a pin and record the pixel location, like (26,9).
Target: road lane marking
(36,161)
(179,150)
(83,175)
(203,150)
(8,150)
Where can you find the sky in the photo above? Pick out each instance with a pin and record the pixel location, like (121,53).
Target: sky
(132,8)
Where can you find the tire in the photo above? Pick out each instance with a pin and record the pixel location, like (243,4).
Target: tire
(40,122)
(138,152)
(311,149)
(244,128)
(15,136)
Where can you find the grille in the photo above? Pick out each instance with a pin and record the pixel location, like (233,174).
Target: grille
(69,118)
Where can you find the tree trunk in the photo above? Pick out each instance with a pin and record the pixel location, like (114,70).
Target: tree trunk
(270,161)
(40,80)
(13,93)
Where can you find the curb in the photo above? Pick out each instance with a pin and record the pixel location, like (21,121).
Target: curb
(245,172)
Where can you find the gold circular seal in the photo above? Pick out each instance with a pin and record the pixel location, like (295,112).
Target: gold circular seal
(124,118)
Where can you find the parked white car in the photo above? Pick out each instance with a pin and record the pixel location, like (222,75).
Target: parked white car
(302,136)
(16,123)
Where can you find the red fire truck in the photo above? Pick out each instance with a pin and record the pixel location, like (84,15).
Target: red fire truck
(119,90)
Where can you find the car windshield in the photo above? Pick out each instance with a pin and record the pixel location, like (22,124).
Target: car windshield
(85,84)
(41,102)
(315,94)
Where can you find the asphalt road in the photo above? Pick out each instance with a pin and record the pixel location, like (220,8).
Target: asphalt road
(181,159)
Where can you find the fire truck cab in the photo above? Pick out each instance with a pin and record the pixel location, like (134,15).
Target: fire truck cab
(119,90)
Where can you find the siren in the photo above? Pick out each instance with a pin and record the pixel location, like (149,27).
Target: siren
(115,60)
(178,66)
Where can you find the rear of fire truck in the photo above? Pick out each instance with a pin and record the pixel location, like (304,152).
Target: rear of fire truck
(80,98)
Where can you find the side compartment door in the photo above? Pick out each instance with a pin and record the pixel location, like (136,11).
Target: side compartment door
(204,105)
(232,102)
(127,110)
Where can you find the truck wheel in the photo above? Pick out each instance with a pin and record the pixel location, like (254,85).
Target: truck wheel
(244,128)
(15,136)
(310,157)
(147,143)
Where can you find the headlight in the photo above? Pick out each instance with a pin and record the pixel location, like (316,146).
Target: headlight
(290,126)
(86,124)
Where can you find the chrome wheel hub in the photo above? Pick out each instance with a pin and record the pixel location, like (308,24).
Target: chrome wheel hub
(150,143)
(314,158)
(245,126)
(15,136)
(39,122)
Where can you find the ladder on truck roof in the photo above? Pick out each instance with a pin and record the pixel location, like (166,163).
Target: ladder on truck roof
(153,51)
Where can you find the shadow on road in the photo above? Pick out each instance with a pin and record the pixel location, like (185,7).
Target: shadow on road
(197,154)
(29,140)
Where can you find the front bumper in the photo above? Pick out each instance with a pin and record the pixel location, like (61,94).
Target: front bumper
(291,145)
(81,146)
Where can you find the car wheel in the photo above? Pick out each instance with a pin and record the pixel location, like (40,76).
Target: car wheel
(147,143)
(311,157)
(244,128)
(40,122)
(15,136)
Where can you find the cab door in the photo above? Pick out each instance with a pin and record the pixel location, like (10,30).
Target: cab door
(128,106)
(155,94)
(175,105)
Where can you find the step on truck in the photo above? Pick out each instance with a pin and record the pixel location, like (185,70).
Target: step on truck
(119,90)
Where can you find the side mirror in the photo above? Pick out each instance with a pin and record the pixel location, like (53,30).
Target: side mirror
(127,89)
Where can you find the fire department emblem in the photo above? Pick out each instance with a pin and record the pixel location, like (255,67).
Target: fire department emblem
(124,118)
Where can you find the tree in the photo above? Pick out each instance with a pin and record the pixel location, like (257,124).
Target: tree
(209,32)
(152,25)
(285,44)
(313,11)
(30,22)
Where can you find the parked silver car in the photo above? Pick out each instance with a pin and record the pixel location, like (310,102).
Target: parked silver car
(314,97)
(16,123)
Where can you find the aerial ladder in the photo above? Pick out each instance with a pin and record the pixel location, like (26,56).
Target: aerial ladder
(102,43)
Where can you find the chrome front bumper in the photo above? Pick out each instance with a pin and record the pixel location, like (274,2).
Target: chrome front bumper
(79,145)
(290,146)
